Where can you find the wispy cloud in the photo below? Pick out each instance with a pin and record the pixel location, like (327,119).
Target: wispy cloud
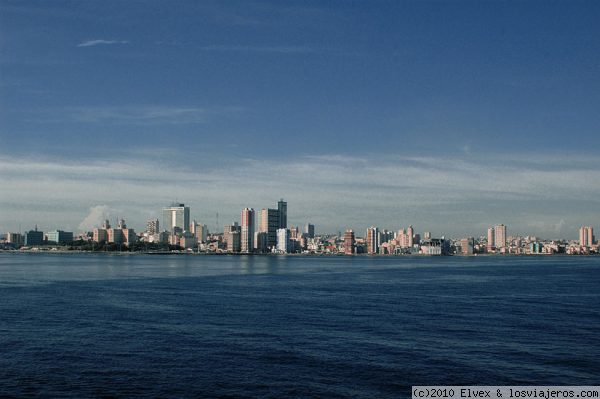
(143,115)
(450,195)
(260,49)
(96,42)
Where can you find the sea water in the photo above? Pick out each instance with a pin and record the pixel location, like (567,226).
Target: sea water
(89,325)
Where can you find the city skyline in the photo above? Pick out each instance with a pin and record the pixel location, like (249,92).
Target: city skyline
(451,116)
(177,221)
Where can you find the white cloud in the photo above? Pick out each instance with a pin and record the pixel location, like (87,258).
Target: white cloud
(141,115)
(96,42)
(452,195)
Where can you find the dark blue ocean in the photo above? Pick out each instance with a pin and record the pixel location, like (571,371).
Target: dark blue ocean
(232,326)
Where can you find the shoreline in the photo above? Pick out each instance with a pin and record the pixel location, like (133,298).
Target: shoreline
(340,255)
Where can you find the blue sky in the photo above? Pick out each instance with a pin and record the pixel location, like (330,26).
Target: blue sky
(446,115)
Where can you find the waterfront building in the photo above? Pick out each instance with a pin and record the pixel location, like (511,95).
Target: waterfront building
(269,223)
(187,240)
(410,232)
(34,237)
(500,236)
(247,238)
(467,246)
(176,216)
(309,230)
(129,236)
(349,242)
(435,246)
(115,236)
(100,235)
(373,240)
(490,239)
(586,236)
(14,239)
(201,232)
(283,241)
(536,247)
(260,242)
(152,227)
(119,235)
(405,239)
(160,238)
(282,214)
(232,237)
(59,237)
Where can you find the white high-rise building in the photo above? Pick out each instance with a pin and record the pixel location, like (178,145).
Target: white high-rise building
(283,240)
(176,216)
(586,236)
(500,236)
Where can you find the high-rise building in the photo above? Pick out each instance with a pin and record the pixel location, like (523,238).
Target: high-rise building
(232,237)
(260,242)
(373,240)
(410,232)
(500,236)
(349,242)
(152,227)
(282,213)
(491,239)
(283,240)
(309,230)
(200,231)
(269,223)
(586,236)
(177,215)
(427,235)
(247,230)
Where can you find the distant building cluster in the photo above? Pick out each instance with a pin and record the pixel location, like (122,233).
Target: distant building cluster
(267,231)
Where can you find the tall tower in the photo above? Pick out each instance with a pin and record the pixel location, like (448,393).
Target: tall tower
(177,215)
(586,236)
(491,240)
(373,240)
(282,213)
(410,232)
(283,241)
(269,223)
(500,236)
(247,230)
(152,227)
(349,242)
